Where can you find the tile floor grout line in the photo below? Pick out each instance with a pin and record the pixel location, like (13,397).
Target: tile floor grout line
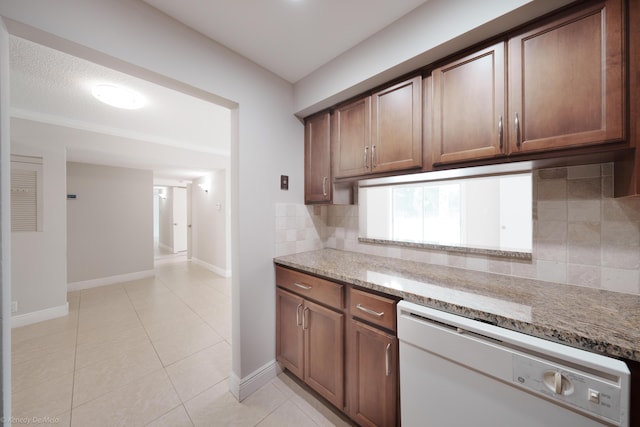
(157,355)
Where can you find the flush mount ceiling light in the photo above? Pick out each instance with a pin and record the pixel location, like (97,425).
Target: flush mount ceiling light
(118,97)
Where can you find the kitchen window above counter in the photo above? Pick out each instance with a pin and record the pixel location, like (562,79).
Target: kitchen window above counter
(490,214)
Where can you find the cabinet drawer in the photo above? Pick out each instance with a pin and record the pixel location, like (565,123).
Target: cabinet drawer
(311,287)
(373,308)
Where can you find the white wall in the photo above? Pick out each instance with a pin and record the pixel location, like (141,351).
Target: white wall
(110,223)
(267,140)
(39,259)
(209,222)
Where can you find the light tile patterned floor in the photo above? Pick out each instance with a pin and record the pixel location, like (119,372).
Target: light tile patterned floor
(148,352)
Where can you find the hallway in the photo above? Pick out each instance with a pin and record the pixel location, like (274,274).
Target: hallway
(154,352)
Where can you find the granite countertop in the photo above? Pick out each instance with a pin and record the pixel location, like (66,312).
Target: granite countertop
(591,319)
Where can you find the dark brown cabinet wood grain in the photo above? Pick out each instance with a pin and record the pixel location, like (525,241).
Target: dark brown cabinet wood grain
(373,375)
(310,333)
(349,355)
(558,91)
(469,97)
(350,138)
(317,159)
(566,81)
(379,133)
(289,337)
(324,351)
(396,127)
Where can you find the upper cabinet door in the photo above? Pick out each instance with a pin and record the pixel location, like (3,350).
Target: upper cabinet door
(396,127)
(566,81)
(351,127)
(317,159)
(469,98)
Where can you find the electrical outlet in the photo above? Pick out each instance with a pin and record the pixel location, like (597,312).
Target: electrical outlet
(14,306)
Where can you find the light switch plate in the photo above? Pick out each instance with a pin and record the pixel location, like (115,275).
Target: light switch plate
(284,182)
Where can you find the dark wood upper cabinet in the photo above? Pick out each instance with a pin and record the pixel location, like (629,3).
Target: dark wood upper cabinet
(469,98)
(351,136)
(379,133)
(559,90)
(318,183)
(566,81)
(396,127)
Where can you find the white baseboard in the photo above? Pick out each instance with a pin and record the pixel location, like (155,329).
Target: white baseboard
(165,247)
(243,388)
(39,316)
(94,283)
(219,271)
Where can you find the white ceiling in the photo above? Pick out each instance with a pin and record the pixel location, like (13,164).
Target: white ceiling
(178,136)
(53,88)
(291,38)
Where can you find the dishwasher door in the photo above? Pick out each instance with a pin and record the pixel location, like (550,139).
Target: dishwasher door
(458,372)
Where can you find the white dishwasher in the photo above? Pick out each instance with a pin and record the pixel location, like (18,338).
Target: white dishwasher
(459,372)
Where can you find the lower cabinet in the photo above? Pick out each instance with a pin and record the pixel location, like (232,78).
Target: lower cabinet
(289,335)
(373,375)
(324,351)
(310,344)
(349,355)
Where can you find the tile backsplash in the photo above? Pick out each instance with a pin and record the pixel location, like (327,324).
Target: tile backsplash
(582,235)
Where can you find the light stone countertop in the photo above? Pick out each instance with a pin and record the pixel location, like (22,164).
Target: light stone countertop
(591,319)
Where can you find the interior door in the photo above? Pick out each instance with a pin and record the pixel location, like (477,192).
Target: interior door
(179,219)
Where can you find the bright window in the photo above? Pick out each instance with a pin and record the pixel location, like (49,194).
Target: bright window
(493,213)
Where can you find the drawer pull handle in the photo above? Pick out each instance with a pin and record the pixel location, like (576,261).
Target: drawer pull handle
(301,286)
(517,130)
(373,156)
(304,319)
(298,314)
(369,311)
(500,131)
(386,360)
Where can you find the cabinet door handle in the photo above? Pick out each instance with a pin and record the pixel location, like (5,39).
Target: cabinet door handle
(324,186)
(500,131)
(304,318)
(366,157)
(301,286)
(298,314)
(386,359)
(517,123)
(373,156)
(369,311)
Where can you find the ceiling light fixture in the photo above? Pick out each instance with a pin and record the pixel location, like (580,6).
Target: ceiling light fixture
(118,97)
